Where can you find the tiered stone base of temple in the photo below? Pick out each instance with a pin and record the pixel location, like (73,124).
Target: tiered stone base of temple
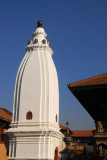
(34,143)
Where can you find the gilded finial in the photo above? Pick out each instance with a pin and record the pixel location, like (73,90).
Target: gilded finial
(39,23)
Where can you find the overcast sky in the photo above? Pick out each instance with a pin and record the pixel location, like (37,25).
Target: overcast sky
(77,30)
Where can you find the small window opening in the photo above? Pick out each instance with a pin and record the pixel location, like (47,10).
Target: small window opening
(29,115)
(56,118)
(44,41)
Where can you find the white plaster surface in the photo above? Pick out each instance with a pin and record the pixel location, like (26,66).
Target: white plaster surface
(36,90)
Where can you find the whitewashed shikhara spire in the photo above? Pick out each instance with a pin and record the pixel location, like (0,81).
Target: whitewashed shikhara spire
(34,132)
(36,83)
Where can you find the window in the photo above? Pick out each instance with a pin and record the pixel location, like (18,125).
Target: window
(35,41)
(44,41)
(29,115)
(56,118)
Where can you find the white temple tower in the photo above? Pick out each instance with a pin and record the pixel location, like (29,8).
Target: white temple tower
(34,132)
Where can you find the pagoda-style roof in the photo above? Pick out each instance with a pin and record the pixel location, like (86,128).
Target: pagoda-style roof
(92,94)
(97,80)
(82,133)
(5,115)
(78,133)
(5,118)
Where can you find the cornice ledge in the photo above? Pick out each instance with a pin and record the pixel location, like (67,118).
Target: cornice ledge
(34,124)
(9,158)
(51,133)
(38,47)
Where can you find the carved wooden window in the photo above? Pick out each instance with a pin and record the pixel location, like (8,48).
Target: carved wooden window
(29,115)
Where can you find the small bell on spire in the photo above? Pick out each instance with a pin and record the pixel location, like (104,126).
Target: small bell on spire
(39,23)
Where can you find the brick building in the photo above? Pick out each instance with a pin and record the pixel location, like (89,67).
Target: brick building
(5,119)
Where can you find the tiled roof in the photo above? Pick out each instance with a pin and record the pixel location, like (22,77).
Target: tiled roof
(5,114)
(100,79)
(62,127)
(82,133)
(78,133)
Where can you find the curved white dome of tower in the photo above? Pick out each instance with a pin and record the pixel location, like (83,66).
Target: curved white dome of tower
(34,131)
(36,88)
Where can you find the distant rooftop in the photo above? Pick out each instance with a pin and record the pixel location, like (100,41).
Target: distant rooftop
(78,133)
(5,114)
(62,127)
(82,133)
